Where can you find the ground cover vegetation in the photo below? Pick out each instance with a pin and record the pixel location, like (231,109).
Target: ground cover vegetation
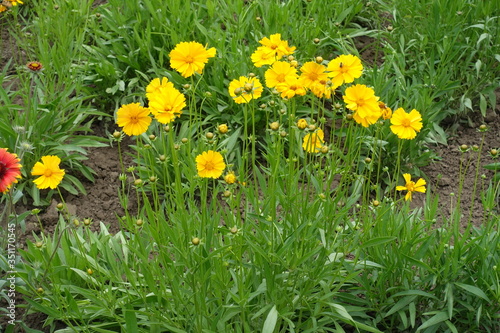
(274,167)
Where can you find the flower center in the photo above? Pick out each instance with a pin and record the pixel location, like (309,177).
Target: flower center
(189,59)
(209,165)
(134,119)
(47,173)
(3,170)
(406,122)
(410,186)
(280,78)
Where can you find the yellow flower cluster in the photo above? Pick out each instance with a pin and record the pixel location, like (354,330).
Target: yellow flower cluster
(164,100)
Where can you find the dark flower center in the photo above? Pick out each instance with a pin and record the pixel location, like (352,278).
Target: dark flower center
(3,169)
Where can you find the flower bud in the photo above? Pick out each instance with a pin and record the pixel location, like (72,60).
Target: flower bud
(223,128)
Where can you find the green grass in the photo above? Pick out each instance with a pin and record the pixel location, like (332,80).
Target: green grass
(303,242)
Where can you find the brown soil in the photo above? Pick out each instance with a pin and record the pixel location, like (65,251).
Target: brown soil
(102,203)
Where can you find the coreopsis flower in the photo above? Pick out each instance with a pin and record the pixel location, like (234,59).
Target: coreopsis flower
(406,125)
(230,178)
(155,84)
(291,87)
(244,89)
(210,164)
(10,169)
(312,74)
(278,73)
(10,3)
(166,104)
(134,118)
(386,111)
(222,128)
(280,47)
(323,88)
(263,56)
(190,57)
(313,142)
(344,69)
(301,124)
(361,99)
(48,170)
(411,186)
(370,119)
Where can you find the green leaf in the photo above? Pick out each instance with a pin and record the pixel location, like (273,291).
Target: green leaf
(270,323)
(130,320)
(377,241)
(473,290)
(434,320)
(482,105)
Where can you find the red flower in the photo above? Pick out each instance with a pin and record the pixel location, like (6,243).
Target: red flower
(10,169)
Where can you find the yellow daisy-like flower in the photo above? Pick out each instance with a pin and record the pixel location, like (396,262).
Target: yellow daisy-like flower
(263,56)
(280,47)
(323,88)
(386,111)
(313,141)
(411,186)
(230,178)
(361,99)
(190,57)
(344,69)
(134,118)
(244,89)
(301,124)
(155,84)
(312,74)
(291,87)
(166,104)
(278,73)
(370,119)
(48,170)
(406,125)
(14,2)
(210,164)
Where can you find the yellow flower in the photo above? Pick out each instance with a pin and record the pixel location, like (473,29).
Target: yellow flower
(9,3)
(155,84)
(263,56)
(301,124)
(280,47)
(48,170)
(362,99)
(291,87)
(190,57)
(230,178)
(312,73)
(386,111)
(244,89)
(344,69)
(370,119)
(166,104)
(313,141)
(278,73)
(134,118)
(411,186)
(406,125)
(210,164)
(223,129)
